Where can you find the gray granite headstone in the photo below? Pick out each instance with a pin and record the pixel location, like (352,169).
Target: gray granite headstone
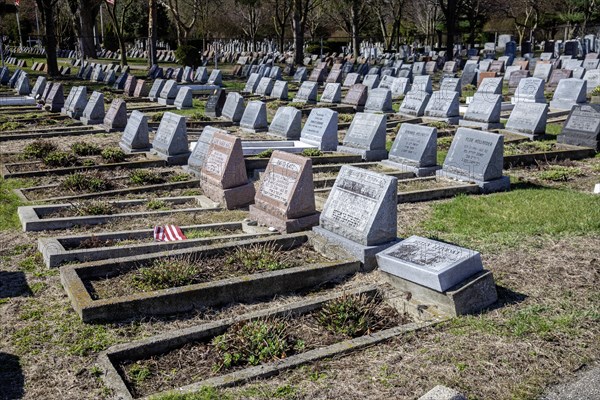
(183,100)
(451,85)
(351,79)
(542,71)
(287,123)
(251,83)
(490,86)
(197,156)
(116,116)
(414,103)
(356,96)
(78,102)
(400,86)
(422,83)
(170,142)
(55,101)
(528,119)
(415,150)
(156,89)
(265,86)
(430,263)
(254,118)
(233,109)
(201,75)
(332,93)
(476,156)
(371,81)
(307,93)
(215,78)
(443,105)
(530,90)
(300,75)
(483,112)
(592,77)
(280,90)
(568,93)
(366,136)
(360,213)
(22,86)
(38,88)
(379,100)
(582,127)
(321,129)
(135,137)
(168,93)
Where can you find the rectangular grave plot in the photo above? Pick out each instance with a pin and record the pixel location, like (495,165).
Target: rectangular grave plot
(432,188)
(102,246)
(105,291)
(162,349)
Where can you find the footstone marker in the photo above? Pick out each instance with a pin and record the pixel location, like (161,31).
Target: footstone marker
(198,155)
(216,103)
(430,263)
(569,92)
(254,118)
(170,142)
(414,150)
(476,156)
(233,110)
(287,123)
(483,112)
(528,119)
(582,127)
(183,100)
(360,214)
(135,137)
(285,198)
(366,136)
(116,116)
(321,129)
(223,176)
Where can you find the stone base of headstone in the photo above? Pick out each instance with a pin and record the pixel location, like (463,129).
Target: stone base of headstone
(530,136)
(63,111)
(284,225)
(323,239)
(408,116)
(515,100)
(191,170)
(232,198)
(256,130)
(292,137)
(418,171)
(495,185)
(128,150)
(442,393)
(86,121)
(165,102)
(448,120)
(153,98)
(486,126)
(563,105)
(575,141)
(76,114)
(367,155)
(468,297)
(176,159)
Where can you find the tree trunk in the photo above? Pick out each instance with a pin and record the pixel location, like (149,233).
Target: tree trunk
(282,38)
(451,22)
(355,37)
(152,57)
(87,21)
(51,60)
(298,40)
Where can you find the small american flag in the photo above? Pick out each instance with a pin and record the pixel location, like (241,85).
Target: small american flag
(168,233)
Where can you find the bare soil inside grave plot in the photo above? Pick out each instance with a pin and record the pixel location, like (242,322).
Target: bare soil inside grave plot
(376,168)
(100,181)
(168,272)
(529,147)
(28,166)
(579,175)
(107,208)
(64,142)
(285,336)
(96,242)
(424,184)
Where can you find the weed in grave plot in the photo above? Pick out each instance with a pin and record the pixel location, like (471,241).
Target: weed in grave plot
(145,177)
(94,242)
(559,173)
(181,177)
(11,126)
(167,273)
(259,257)
(85,149)
(94,208)
(345,117)
(528,147)
(85,182)
(113,155)
(265,154)
(312,153)
(156,117)
(440,125)
(60,159)
(156,204)
(39,149)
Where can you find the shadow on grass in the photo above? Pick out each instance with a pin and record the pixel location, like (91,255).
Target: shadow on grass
(506,297)
(12,381)
(13,284)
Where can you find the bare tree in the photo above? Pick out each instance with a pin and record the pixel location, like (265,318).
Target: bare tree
(185,13)
(389,14)
(352,16)
(251,14)
(281,14)
(117,13)
(300,12)
(152,34)
(47,9)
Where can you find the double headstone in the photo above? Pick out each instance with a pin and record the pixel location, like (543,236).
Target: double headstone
(414,150)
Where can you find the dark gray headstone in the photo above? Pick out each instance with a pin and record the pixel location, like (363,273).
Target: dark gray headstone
(582,127)
(216,103)
(254,117)
(234,107)
(528,119)
(366,136)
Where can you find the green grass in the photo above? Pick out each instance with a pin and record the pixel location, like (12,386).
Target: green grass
(205,393)
(507,218)
(553,129)
(9,202)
